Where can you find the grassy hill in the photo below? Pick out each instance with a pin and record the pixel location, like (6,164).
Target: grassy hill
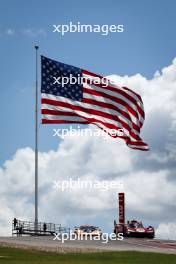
(20,256)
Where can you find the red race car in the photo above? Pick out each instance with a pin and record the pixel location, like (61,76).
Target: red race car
(135,228)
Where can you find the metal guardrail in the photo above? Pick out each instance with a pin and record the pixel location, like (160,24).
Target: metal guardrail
(20,228)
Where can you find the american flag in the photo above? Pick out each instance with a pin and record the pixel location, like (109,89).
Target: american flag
(110,107)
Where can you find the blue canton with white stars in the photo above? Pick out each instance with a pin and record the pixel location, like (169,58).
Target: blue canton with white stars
(51,68)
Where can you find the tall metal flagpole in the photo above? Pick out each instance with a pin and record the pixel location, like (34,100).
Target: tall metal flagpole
(36,141)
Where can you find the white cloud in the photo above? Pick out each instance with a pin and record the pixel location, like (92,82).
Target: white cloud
(10,32)
(31,32)
(149,178)
(166,231)
(28,32)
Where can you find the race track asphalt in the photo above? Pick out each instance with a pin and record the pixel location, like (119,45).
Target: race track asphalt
(128,244)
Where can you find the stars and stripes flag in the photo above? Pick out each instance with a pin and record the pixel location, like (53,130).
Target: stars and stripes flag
(93,100)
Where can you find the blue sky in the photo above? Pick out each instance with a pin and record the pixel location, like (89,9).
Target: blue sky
(146,45)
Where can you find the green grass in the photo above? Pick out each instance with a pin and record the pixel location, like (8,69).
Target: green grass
(20,256)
